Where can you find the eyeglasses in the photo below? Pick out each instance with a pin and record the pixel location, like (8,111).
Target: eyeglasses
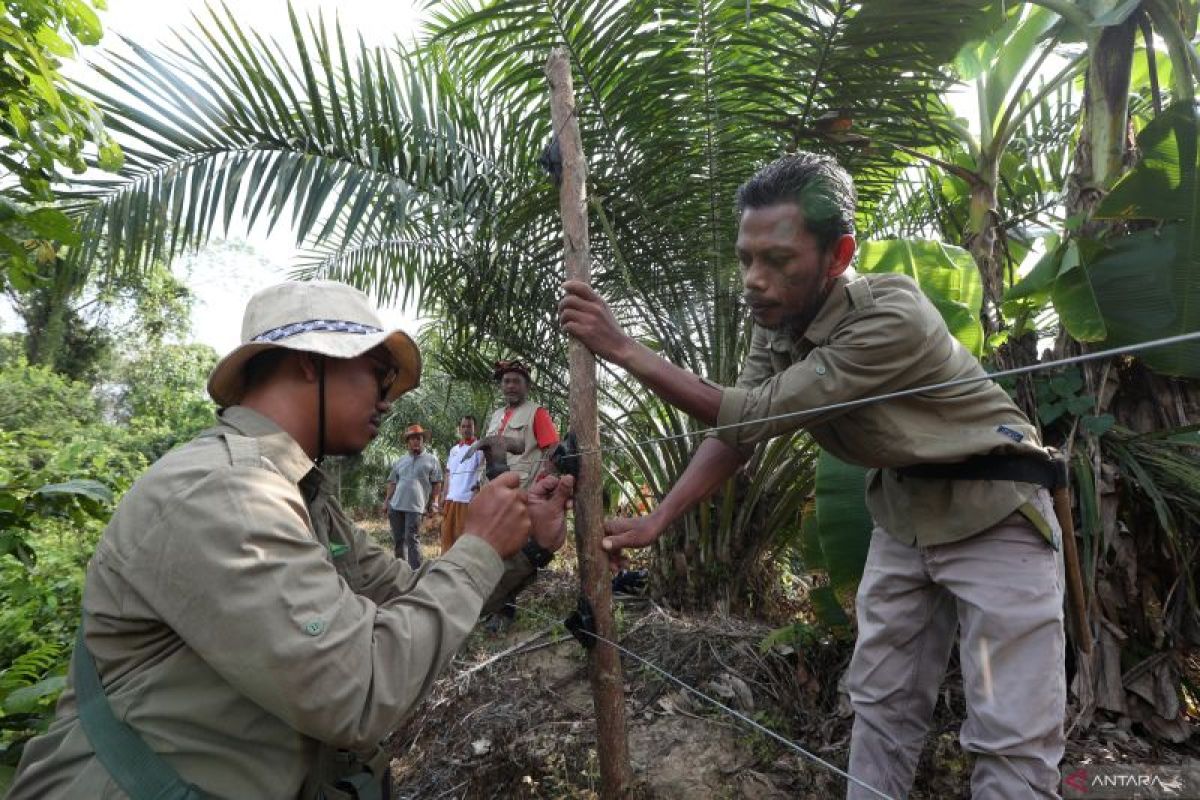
(385,376)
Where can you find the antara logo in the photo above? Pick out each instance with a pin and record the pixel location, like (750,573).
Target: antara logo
(1137,782)
(1119,781)
(1077,780)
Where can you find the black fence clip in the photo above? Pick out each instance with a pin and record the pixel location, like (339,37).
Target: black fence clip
(565,457)
(551,161)
(582,624)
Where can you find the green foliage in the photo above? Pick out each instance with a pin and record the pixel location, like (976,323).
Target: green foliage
(1162,470)
(47,122)
(46,535)
(1147,284)
(162,399)
(45,126)
(37,400)
(1059,397)
(63,461)
(29,687)
(837,534)
(1134,285)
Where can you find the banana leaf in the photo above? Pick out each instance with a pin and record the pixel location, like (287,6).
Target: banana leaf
(1147,283)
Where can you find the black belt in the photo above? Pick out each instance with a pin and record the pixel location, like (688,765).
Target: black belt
(1023,469)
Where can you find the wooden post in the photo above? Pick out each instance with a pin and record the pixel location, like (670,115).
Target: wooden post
(608,685)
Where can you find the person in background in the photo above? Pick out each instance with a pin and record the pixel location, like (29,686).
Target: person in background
(463,473)
(413,486)
(524,420)
(528,423)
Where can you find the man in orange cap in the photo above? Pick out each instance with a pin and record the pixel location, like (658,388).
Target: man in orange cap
(412,493)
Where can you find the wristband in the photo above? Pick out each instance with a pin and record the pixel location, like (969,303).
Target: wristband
(537,555)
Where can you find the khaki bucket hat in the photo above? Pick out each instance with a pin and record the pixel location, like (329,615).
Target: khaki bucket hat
(324,317)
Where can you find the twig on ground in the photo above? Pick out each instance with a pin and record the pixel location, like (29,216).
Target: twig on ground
(516,648)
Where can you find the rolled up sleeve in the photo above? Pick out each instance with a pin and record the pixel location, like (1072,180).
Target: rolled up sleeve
(247,586)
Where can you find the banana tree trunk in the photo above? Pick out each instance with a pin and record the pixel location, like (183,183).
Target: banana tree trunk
(985,241)
(1107,104)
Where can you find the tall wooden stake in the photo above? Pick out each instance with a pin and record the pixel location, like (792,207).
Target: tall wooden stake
(608,686)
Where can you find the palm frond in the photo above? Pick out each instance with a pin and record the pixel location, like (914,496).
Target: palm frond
(326,139)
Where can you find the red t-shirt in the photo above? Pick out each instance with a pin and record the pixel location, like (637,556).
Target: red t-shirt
(543,426)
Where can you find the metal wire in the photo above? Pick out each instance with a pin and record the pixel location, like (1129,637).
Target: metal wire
(869,400)
(813,757)
(864,401)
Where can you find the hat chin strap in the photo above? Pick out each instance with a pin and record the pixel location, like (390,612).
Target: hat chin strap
(320,409)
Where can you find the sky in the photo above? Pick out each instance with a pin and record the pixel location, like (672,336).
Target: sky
(229,269)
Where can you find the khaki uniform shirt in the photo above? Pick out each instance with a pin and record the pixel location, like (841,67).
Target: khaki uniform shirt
(877,334)
(238,620)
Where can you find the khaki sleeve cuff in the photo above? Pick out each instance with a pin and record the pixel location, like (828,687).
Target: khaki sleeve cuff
(479,560)
(733,402)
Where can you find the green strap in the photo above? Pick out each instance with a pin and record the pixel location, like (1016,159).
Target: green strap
(138,770)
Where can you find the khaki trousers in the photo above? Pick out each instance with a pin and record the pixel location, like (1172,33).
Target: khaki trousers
(1002,590)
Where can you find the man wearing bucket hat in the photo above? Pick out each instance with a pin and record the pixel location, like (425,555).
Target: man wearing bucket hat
(412,490)
(240,638)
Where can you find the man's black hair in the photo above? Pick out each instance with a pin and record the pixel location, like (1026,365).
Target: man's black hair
(816,183)
(262,366)
(471,417)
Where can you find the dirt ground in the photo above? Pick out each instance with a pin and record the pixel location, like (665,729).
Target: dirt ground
(513,717)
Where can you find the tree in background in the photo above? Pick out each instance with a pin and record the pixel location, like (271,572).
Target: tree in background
(46,127)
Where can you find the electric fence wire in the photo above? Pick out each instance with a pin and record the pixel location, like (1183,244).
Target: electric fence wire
(847,405)
(757,726)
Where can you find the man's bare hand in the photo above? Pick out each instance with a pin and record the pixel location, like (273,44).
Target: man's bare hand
(584,314)
(622,532)
(549,499)
(499,515)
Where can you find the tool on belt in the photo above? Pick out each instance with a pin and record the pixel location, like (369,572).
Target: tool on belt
(1052,473)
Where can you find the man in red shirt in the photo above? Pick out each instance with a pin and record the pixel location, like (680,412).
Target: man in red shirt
(524,420)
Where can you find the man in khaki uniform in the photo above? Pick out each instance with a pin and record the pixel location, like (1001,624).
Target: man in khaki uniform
(965,537)
(250,636)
